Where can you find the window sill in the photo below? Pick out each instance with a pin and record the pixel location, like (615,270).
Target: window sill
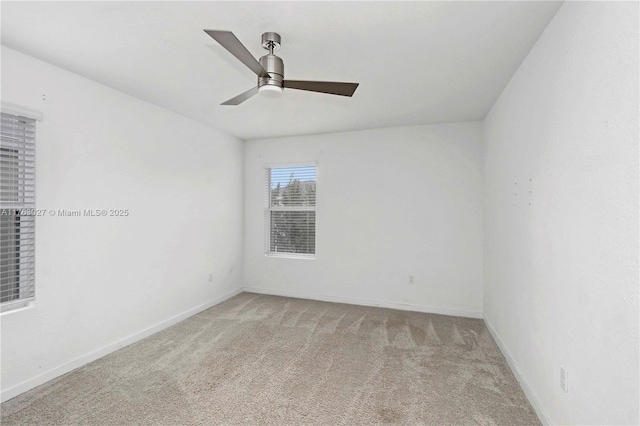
(18,306)
(291,256)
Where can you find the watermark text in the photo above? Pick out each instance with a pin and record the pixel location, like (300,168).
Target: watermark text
(66,212)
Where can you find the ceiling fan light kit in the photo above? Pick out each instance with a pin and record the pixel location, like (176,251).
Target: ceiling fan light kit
(270,91)
(270,70)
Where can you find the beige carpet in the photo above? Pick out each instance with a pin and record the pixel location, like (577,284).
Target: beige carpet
(272,360)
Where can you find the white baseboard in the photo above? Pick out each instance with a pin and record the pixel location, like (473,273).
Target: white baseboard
(367,302)
(531,396)
(16,390)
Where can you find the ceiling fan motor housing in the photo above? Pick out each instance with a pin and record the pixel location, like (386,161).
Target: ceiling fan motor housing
(270,62)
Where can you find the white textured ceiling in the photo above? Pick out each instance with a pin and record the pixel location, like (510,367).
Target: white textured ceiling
(416,62)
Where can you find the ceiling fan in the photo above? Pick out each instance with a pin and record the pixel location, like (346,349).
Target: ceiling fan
(270,70)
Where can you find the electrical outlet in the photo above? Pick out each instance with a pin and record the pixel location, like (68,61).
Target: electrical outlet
(564,379)
(210,277)
(412,279)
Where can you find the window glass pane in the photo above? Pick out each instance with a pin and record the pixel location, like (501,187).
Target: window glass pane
(293,232)
(9,257)
(17,199)
(293,187)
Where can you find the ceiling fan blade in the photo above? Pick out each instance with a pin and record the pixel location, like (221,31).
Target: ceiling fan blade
(230,42)
(331,87)
(241,97)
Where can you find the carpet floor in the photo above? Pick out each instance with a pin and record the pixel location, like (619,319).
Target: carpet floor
(258,360)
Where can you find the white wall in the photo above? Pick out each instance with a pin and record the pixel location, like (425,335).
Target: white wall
(561,274)
(391,203)
(100,281)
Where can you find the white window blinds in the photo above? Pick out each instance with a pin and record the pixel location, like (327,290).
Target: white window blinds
(290,211)
(17,205)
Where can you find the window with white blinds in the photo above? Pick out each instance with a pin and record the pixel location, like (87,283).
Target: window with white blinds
(17,210)
(290,211)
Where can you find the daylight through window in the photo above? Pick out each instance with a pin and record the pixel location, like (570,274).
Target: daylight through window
(290,211)
(17,204)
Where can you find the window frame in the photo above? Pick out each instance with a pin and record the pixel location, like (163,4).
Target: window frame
(25,221)
(268,209)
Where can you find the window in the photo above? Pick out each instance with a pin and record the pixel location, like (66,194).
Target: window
(17,210)
(290,211)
